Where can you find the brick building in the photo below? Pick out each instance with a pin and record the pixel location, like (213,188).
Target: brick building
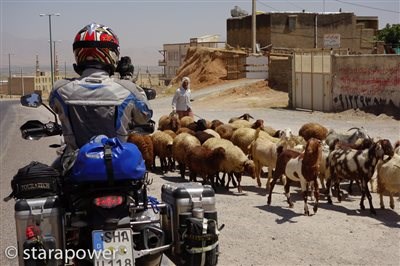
(304,30)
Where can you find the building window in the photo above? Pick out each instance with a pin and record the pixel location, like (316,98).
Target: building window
(292,20)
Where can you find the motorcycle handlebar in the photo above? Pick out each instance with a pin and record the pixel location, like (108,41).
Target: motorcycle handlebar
(143,128)
(36,130)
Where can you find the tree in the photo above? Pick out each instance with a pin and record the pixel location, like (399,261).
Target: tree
(390,35)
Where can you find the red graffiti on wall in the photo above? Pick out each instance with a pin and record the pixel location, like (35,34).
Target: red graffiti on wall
(368,80)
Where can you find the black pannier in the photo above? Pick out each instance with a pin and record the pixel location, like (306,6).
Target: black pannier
(36,180)
(200,241)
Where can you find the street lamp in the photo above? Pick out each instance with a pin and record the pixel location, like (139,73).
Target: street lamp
(51,44)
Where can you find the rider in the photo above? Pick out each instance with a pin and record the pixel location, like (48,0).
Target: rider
(95,103)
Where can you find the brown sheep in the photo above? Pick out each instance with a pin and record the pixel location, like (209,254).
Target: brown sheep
(145,145)
(225,131)
(203,136)
(216,123)
(313,130)
(205,162)
(259,123)
(200,124)
(163,149)
(171,122)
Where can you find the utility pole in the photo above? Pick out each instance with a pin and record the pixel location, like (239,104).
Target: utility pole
(51,46)
(253,26)
(55,58)
(22,84)
(9,75)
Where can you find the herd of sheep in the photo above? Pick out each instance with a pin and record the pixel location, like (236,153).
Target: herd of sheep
(243,146)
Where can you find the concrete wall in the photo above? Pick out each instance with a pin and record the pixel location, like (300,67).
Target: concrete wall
(364,80)
(256,67)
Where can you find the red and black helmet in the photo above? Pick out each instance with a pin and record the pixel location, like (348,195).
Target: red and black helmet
(96,42)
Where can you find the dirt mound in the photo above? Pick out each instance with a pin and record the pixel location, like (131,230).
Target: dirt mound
(204,66)
(257,95)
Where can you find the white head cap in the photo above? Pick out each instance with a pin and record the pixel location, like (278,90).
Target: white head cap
(186,79)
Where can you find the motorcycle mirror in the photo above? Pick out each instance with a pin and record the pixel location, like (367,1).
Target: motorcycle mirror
(150,93)
(35,100)
(31,100)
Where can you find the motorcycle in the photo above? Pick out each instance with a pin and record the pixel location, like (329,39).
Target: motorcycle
(60,221)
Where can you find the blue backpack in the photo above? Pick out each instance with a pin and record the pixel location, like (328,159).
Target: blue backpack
(108,159)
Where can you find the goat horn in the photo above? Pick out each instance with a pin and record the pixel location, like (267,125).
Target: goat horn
(353,128)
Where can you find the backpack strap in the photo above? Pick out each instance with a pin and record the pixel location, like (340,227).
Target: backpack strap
(12,194)
(108,162)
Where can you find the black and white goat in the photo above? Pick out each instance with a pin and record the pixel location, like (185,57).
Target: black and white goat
(359,165)
(332,136)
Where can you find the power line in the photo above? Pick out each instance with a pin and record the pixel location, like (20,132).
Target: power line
(268,6)
(301,8)
(375,8)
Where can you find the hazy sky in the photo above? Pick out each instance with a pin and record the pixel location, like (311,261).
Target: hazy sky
(143,26)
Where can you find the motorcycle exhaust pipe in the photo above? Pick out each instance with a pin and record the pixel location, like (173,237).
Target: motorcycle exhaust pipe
(153,237)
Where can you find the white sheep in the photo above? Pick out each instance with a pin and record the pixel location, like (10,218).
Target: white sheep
(241,124)
(243,137)
(323,170)
(236,162)
(212,132)
(264,153)
(389,177)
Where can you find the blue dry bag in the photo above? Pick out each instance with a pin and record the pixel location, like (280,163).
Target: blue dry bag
(108,159)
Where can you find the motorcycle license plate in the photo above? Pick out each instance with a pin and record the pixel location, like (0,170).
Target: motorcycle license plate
(115,246)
